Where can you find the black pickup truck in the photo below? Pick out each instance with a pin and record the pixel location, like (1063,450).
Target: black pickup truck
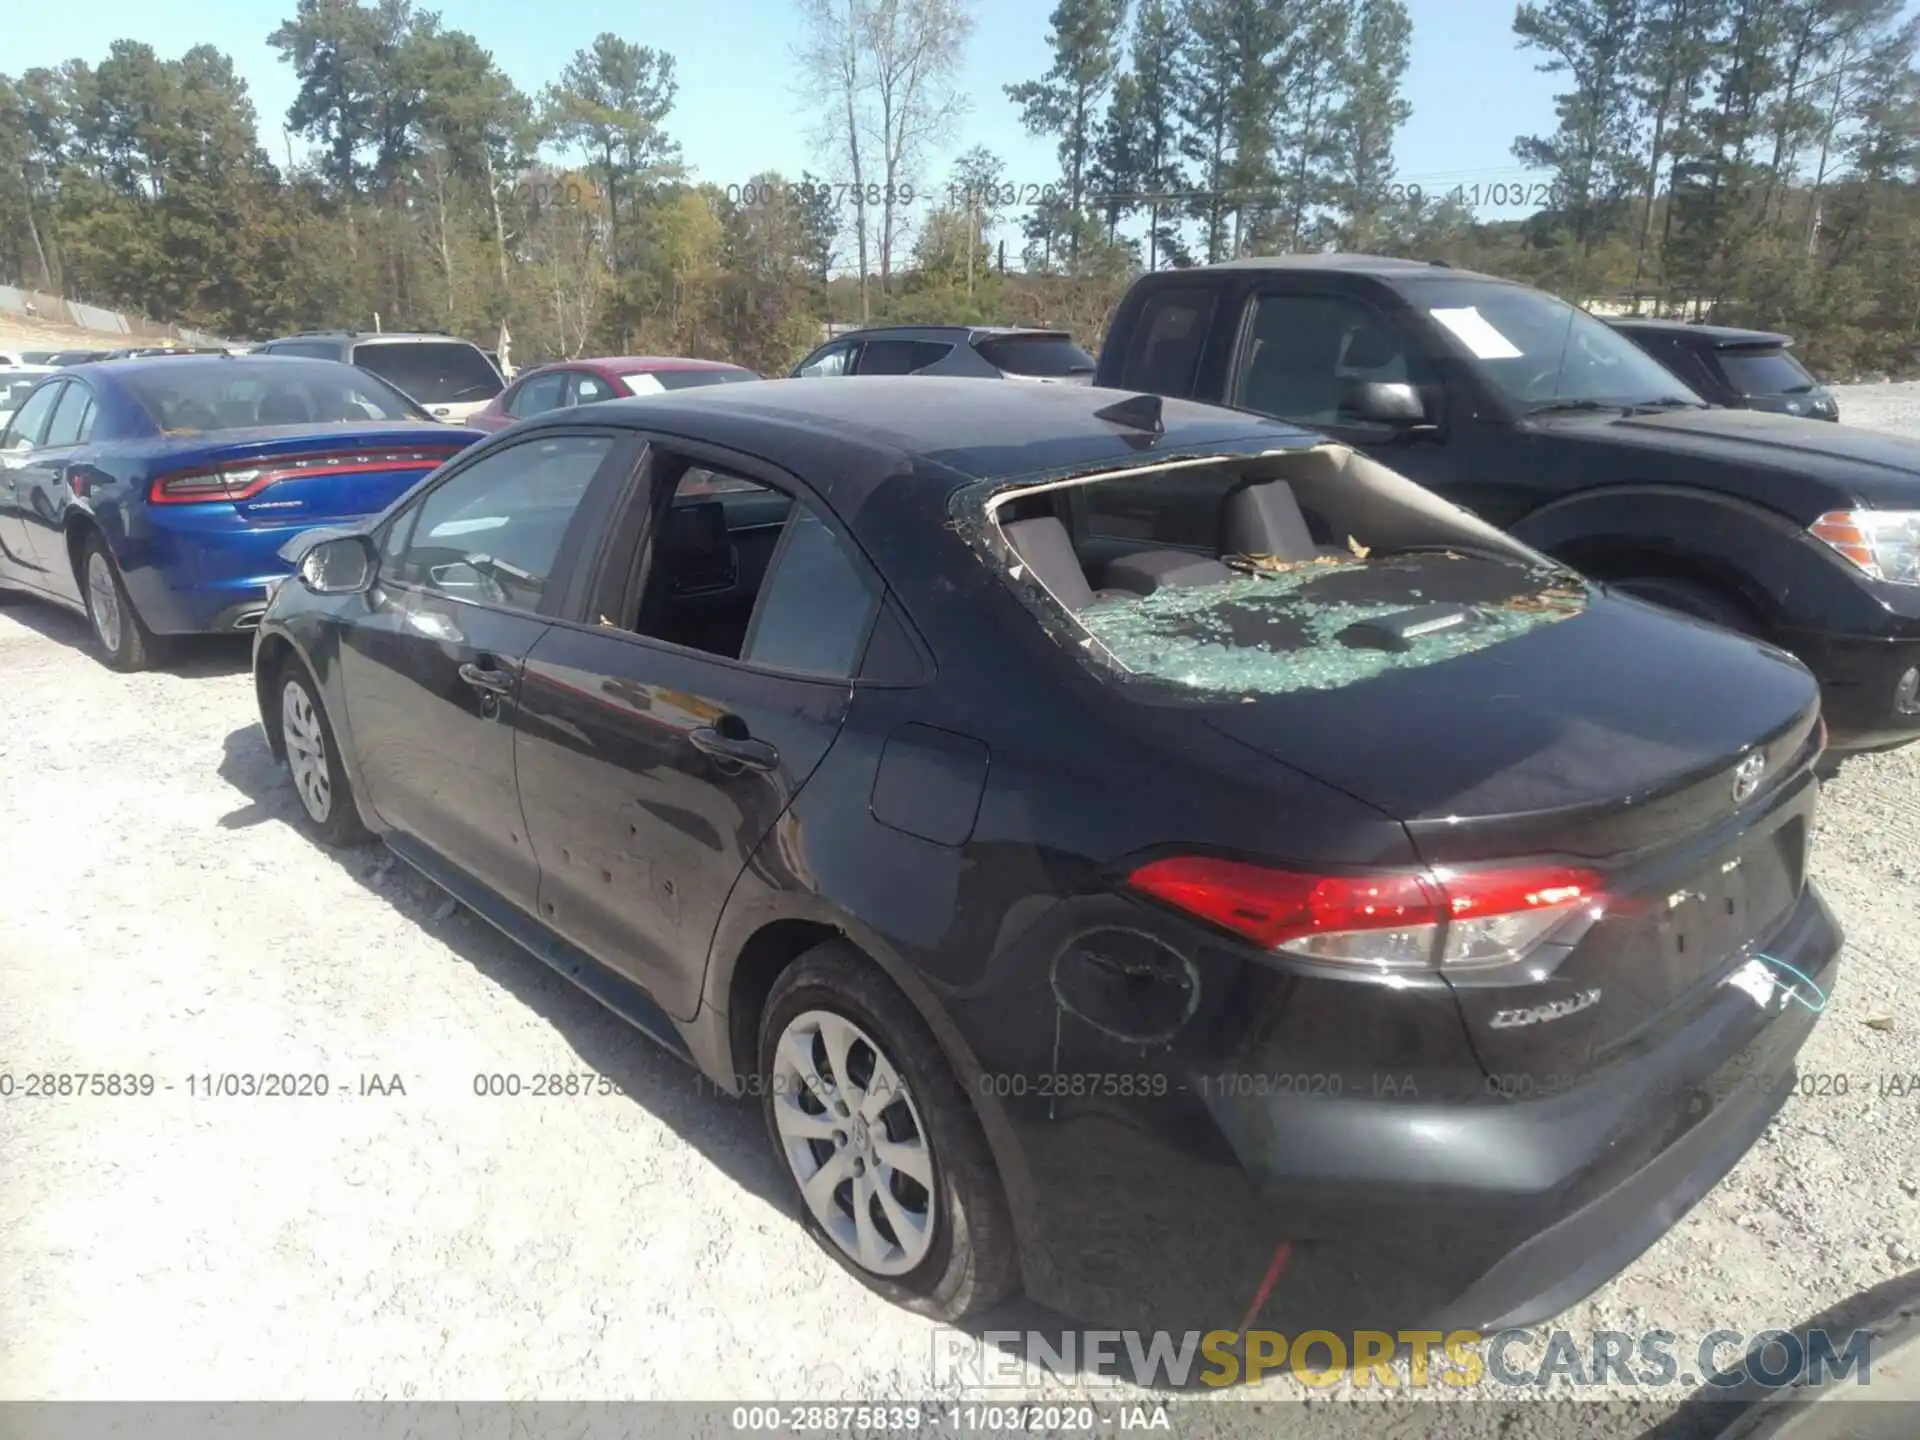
(1551,424)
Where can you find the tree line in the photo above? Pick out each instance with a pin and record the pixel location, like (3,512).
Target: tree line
(1752,160)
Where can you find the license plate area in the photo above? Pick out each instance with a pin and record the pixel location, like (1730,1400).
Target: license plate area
(1732,903)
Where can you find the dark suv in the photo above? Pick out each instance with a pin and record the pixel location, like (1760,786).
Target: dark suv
(992,352)
(1556,427)
(449,377)
(1746,369)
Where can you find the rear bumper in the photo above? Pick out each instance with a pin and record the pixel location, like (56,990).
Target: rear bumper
(1409,1213)
(1860,687)
(207,574)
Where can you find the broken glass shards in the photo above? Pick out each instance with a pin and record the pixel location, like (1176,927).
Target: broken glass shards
(1289,625)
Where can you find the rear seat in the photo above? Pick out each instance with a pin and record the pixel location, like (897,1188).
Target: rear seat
(1265,519)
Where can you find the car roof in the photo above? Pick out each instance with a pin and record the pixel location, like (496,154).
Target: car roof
(1710,337)
(637,364)
(1346,261)
(968,332)
(849,435)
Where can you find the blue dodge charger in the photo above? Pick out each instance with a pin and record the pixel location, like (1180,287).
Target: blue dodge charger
(154,494)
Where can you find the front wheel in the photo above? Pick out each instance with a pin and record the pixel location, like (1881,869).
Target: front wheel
(313,757)
(119,634)
(888,1160)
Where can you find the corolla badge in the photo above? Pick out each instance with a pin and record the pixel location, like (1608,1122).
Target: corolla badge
(1746,777)
(1537,1014)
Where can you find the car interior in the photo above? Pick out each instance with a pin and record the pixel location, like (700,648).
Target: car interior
(716,538)
(1134,534)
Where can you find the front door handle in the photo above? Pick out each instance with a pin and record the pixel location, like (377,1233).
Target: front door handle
(488,682)
(738,749)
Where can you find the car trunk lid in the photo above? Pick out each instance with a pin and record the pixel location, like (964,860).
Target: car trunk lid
(1560,724)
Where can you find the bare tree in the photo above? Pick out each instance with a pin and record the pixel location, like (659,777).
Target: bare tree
(833,63)
(915,48)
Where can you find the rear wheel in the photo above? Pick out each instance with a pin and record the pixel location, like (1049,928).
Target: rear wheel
(886,1155)
(319,779)
(119,634)
(1690,597)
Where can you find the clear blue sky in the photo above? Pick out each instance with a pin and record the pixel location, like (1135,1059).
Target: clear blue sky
(738,111)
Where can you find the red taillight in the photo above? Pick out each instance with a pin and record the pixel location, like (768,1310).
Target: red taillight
(1398,919)
(243,479)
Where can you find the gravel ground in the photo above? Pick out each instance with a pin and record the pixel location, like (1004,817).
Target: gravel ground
(160,916)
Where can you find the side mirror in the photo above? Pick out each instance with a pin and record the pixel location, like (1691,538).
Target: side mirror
(343,566)
(1385,402)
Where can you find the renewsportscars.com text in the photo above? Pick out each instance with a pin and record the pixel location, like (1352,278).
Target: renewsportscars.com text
(1408,1359)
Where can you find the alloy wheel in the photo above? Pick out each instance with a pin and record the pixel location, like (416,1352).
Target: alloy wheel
(103,601)
(306,751)
(855,1142)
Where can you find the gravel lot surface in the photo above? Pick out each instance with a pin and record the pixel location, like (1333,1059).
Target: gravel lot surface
(160,915)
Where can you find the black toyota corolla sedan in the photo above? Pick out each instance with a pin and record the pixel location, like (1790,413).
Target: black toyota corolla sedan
(1135,852)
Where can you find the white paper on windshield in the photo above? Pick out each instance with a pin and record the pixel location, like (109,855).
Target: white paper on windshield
(1476,334)
(643,384)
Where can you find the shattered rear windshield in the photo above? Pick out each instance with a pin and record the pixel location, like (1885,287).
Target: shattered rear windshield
(1315,624)
(1309,570)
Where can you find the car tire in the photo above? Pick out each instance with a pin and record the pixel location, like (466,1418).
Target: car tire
(320,784)
(1689,597)
(964,1259)
(120,637)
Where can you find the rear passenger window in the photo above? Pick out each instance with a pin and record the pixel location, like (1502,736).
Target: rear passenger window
(741,570)
(1171,333)
(899,357)
(817,606)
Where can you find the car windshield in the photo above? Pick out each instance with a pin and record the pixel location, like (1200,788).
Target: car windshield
(1041,355)
(1763,370)
(184,396)
(433,372)
(1542,352)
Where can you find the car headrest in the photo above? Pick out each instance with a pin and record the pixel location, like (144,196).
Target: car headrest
(1047,549)
(697,529)
(1370,347)
(1265,519)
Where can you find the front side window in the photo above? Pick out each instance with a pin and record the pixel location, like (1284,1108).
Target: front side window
(1306,352)
(541,393)
(1540,351)
(831,361)
(490,533)
(31,422)
(433,372)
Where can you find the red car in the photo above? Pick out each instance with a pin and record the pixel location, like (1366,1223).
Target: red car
(582,382)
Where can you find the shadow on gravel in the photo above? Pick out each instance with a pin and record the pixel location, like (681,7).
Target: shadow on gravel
(727,1131)
(188,656)
(1728,1395)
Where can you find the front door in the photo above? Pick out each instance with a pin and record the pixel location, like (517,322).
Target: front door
(432,668)
(45,488)
(661,745)
(1302,350)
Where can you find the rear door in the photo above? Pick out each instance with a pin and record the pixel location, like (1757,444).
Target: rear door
(662,742)
(43,487)
(432,669)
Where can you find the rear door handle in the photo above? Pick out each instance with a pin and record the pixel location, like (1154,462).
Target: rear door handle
(740,750)
(487,682)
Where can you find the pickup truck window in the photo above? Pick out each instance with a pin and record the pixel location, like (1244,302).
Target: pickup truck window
(1305,352)
(1168,340)
(1541,351)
